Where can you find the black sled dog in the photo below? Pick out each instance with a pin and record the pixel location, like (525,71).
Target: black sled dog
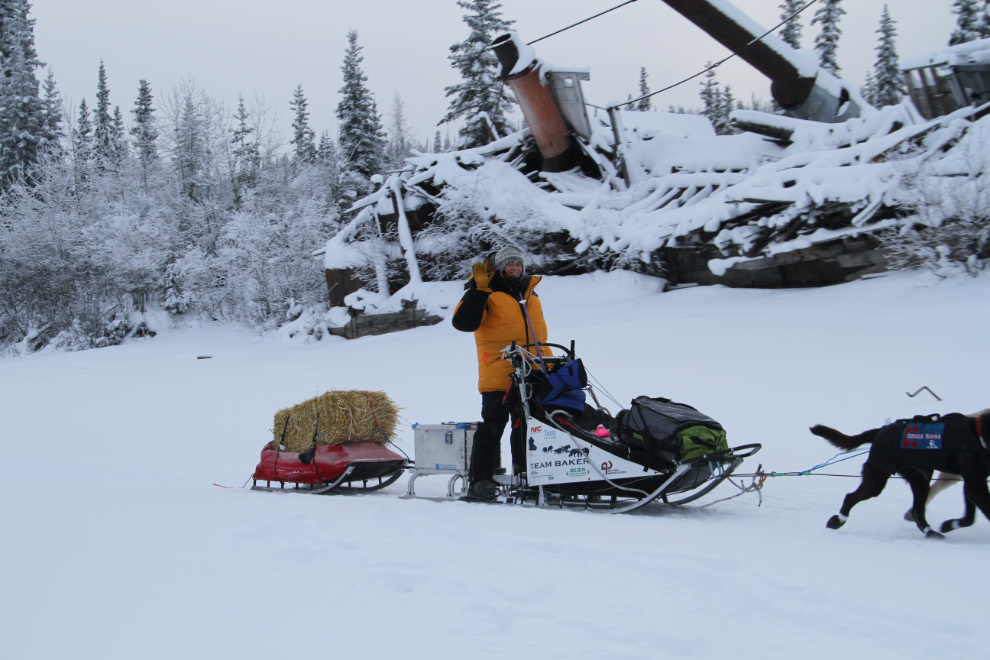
(915,448)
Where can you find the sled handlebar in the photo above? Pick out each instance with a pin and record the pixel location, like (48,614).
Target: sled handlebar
(565,349)
(753,448)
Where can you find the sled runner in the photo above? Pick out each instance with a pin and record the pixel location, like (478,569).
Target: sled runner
(580,455)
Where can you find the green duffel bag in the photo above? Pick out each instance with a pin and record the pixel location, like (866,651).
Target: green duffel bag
(701,440)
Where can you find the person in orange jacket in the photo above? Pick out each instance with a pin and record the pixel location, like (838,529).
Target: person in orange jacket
(491,308)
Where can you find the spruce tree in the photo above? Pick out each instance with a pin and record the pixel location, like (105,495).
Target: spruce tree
(791,32)
(52,103)
(868,90)
(711,97)
(361,139)
(82,146)
(970,21)
(399,134)
(437,144)
(644,105)
(102,120)
(245,152)
(327,157)
(188,154)
(23,126)
(303,137)
(827,41)
(118,144)
(727,103)
(326,152)
(144,131)
(888,86)
(480,92)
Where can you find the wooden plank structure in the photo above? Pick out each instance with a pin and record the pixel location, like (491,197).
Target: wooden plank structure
(362,325)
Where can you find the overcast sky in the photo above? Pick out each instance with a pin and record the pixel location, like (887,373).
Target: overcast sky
(266,48)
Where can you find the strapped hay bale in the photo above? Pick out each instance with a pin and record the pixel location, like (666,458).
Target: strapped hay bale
(344,416)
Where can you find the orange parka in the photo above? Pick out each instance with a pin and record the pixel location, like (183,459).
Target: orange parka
(497,319)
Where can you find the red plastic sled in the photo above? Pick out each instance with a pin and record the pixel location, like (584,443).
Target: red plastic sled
(330,467)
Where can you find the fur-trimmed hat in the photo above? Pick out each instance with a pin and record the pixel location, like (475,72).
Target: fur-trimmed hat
(507,255)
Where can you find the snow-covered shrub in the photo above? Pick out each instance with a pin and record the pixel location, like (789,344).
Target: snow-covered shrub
(473,220)
(948,230)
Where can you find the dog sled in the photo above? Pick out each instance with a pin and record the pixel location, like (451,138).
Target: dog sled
(332,443)
(353,467)
(580,455)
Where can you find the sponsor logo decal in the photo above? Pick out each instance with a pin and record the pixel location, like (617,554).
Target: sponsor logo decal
(922,436)
(443,466)
(608,469)
(577,472)
(566,449)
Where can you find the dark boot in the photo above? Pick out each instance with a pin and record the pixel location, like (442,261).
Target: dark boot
(484,490)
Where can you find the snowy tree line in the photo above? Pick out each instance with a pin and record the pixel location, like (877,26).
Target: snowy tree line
(190,206)
(194,209)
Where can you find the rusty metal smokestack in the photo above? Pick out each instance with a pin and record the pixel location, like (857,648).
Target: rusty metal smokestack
(799,86)
(542,114)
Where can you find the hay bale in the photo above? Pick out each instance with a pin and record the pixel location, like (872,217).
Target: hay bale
(344,416)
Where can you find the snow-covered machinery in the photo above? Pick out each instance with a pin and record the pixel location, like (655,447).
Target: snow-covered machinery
(760,200)
(580,455)
(946,80)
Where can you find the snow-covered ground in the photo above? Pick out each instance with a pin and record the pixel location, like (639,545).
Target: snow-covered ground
(115,543)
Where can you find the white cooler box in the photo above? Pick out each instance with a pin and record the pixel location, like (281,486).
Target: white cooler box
(444,448)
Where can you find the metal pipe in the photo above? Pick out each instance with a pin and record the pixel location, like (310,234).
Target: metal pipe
(789,87)
(805,93)
(538,106)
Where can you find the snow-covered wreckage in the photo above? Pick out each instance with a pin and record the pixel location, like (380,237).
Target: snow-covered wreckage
(799,200)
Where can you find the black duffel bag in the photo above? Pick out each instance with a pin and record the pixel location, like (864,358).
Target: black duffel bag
(669,431)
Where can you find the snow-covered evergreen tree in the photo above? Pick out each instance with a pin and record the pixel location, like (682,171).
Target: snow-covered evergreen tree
(82,146)
(245,153)
(644,105)
(710,96)
(827,41)
(326,151)
(888,86)
(52,102)
(188,157)
(727,103)
(117,129)
(103,146)
(791,32)
(868,90)
(23,126)
(968,17)
(717,103)
(480,94)
(144,130)
(399,134)
(361,138)
(303,137)
(437,143)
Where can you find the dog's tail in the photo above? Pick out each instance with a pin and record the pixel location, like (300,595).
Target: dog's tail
(843,441)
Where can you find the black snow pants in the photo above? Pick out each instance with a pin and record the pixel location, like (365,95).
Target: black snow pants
(488,438)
